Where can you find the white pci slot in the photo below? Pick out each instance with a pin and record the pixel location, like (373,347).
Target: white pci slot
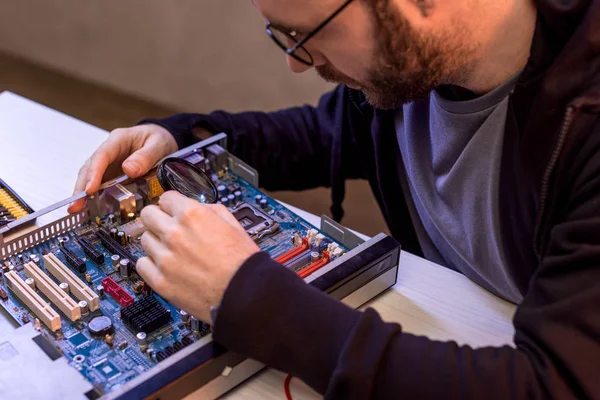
(59,297)
(79,289)
(36,304)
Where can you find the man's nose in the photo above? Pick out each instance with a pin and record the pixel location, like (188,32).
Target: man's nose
(297,66)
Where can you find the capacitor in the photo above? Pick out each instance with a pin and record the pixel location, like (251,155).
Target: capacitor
(35,259)
(61,242)
(109,339)
(64,286)
(147,290)
(100,290)
(195,324)
(25,319)
(222,190)
(84,307)
(37,325)
(30,282)
(122,238)
(20,257)
(11,268)
(263,204)
(124,268)
(258,198)
(113,232)
(231,199)
(314,256)
(115,258)
(238,196)
(111,219)
(142,339)
(130,217)
(138,287)
(185,317)
(123,345)
(88,278)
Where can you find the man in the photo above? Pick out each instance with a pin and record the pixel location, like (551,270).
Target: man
(476,124)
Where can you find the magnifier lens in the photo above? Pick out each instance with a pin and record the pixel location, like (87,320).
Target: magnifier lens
(187,179)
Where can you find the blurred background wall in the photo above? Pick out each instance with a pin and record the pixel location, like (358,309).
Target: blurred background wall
(189,54)
(112,62)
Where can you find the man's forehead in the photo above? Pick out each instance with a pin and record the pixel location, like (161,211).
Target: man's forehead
(298,15)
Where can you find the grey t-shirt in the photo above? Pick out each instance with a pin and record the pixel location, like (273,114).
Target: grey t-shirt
(451,152)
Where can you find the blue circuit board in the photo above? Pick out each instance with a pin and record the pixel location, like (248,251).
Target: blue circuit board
(108,366)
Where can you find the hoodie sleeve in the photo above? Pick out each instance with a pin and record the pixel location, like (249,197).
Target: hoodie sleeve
(292,149)
(269,314)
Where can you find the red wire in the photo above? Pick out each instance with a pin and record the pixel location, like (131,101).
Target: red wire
(286,387)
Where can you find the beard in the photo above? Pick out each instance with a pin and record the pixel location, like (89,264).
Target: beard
(406,65)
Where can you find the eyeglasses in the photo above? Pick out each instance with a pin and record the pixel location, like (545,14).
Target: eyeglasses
(281,37)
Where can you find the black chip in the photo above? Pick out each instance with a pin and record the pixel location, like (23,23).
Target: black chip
(100,326)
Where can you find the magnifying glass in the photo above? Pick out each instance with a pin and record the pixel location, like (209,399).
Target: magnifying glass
(189,180)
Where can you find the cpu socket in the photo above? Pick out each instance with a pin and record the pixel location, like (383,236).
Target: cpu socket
(253,220)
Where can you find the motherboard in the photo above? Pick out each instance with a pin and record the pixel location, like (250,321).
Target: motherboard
(81,288)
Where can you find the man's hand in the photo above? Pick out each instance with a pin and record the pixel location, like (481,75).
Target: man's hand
(130,150)
(194,250)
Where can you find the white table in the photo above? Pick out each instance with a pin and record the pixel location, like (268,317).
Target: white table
(43,149)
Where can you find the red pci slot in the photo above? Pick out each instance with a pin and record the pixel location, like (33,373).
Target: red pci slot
(317,265)
(285,257)
(117,292)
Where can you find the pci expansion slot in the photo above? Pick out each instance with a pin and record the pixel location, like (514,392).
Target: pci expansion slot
(59,297)
(35,303)
(61,272)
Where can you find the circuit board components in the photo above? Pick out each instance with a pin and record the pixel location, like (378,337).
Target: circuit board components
(90,251)
(12,207)
(116,248)
(76,286)
(117,292)
(51,290)
(36,304)
(75,262)
(101,326)
(120,200)
(145,315)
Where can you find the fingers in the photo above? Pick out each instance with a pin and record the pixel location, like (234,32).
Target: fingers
(153,247)
(144,159)
(149,272)
(156,220)
(101,159)
(148,143)
(80,184)
(226,215)
(176,204)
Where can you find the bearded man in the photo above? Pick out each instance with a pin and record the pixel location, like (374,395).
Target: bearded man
(476,124)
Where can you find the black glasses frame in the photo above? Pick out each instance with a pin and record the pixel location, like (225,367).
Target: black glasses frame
(300,44)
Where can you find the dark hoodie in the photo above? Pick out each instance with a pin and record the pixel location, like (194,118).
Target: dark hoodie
(550,227)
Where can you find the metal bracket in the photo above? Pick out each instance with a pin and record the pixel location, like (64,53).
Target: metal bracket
(340,233)
(243,170)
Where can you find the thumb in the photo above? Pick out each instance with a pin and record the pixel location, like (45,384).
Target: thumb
(141,161)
